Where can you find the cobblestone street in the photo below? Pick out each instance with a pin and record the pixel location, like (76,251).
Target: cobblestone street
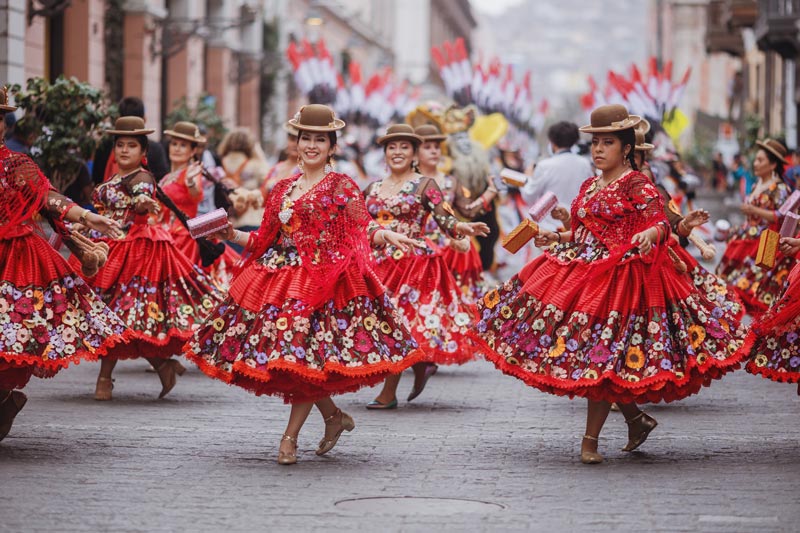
(204,460)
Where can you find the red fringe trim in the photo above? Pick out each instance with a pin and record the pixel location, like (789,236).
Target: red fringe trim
(298,384)
(611,389)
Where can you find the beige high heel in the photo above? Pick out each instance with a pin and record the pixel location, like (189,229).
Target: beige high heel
(346,423)
(288,458)
(102,391)
(639,428)
(591,458)
(167,373)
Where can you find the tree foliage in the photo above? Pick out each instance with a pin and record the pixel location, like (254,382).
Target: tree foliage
(203,113)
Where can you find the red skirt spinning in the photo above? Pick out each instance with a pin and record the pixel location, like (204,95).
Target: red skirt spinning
(49,317)
(467,269)
(267,340)
(775,351)
(757,287)
(221,271)
(155,289)
(430,301)
(714,287)
(634,332)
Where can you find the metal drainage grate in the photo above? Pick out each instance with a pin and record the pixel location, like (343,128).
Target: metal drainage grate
(417,505)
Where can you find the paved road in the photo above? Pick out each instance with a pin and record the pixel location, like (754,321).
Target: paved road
(203,460)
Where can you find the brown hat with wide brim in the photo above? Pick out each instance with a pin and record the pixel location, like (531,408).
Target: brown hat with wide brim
(316,117)
(430,132)
(774,147)
(397,132)
(132,126)
(641,145)
(643,126)
(4,101)
(611,118)
(188,131)
(291,130)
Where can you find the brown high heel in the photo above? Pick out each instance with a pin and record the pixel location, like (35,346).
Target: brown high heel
(639,428)
(167,373)
(288,458)
(10,407)
(102,391)
(346,423)
(591,458)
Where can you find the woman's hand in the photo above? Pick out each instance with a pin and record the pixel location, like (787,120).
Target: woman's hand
(696,218)
(748,209)
(560,213)
(193,172)
(460,245)
(104,225)
(472,229)
(147,204)
(400,241)
(545,238)
(644,241)
(789,246)
(225,234)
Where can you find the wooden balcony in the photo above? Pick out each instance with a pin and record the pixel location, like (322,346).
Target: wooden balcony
(776,28)
(726,18)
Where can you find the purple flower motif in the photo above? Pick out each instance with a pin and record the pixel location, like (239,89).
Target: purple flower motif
(299,351)
(794,361)
(577,373)
(666,364)
(545,341)
(572,345)
(341,323)
(717,312)
(261,358)
(792,336)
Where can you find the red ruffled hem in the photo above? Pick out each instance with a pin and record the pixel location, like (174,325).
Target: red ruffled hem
(140,345)
(774,375)
(609,388)
(298,384)
(51,366)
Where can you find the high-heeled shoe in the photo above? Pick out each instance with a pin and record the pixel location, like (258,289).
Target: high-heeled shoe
(168,373)
(591,458)
(430,369)
(375,405)
(639,428)
(285,458)
(102,391)
(345,423)
(11,405)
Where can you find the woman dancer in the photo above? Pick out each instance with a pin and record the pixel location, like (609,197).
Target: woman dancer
(460,255)
(420,283)
(603,314)
(307,318)
(758,287)
(50,317)
(285,168)
(775,351)
(715,289)
(147,281)
(184,186)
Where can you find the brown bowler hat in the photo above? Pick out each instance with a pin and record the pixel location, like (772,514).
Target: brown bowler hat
(610,118)
(316,117)
(774,147)
(291,130)
(130,126)
(642,146)
(4,100)
(188,131)
(429,132)
(395,132)
(643,126)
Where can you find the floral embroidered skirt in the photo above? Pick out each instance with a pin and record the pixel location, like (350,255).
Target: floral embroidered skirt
(628,332)
(432,305)
(267,340)
(49,317)
(155,290)
(775,351)
(223,269)
(708,283)
(758,288)
(467,269)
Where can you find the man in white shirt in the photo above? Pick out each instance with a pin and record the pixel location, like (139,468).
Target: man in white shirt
(562,174)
